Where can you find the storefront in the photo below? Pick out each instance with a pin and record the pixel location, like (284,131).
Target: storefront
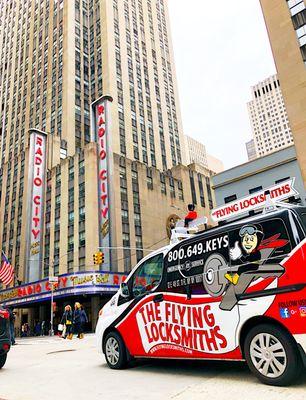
(32,301)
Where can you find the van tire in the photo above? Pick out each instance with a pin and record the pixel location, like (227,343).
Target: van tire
(3,360)
(272,355)
(115,351)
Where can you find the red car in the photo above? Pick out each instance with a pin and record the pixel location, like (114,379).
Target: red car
(5,342)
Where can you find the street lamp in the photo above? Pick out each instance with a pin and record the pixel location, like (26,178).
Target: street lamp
(52,281)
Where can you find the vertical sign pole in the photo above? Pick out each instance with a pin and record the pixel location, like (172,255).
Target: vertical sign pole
(51,315)
(35,203)
(100,127)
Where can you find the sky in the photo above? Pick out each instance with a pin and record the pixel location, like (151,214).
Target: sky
(221,49)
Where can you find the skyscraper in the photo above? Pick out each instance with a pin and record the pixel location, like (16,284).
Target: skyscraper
(286,25)
(251,151)
(268,117)
(56,58)
(197,154)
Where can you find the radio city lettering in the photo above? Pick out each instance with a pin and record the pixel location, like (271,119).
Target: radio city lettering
(38,181)
(193,327)
(278,192)
(102,148)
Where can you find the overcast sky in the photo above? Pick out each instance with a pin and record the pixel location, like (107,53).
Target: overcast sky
(221,49)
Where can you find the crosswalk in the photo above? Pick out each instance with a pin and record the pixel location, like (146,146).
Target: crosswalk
(40,340)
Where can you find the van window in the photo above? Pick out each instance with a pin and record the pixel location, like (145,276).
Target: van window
(148,275)
(255,244)
(303,218)
(198,265)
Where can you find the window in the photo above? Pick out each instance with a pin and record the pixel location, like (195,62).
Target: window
(282,179)
(253,246)
(229,199)
(255,189)
(189,265)
(148,275)
(192,187)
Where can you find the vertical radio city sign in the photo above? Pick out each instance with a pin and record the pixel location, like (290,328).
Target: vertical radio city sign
(100,121)
(35,210)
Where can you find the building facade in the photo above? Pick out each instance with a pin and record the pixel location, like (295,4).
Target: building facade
(196,153)
(286,22)
(259,174)
(268,117)
(56,59)
(251,151)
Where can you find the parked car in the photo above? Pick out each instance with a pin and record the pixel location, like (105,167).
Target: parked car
(234,292)
(5,342)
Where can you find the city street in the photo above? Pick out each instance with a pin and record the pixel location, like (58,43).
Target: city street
(49,368)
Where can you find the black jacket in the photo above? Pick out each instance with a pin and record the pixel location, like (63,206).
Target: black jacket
(80,317)
(67,316)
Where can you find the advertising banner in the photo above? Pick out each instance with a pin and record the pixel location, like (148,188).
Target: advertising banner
(255,201)
(35,212)
(100,120)
(68,284)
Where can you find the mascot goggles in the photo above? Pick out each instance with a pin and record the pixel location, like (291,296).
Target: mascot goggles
(250,230)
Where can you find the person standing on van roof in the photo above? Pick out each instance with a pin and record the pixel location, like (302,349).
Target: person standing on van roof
(191,215)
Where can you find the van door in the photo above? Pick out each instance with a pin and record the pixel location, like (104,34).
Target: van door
(142,285)
(185,319)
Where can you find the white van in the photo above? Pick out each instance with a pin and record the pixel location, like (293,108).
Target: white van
(235,292)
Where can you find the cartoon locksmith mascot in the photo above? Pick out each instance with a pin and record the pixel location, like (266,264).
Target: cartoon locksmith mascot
(248,256)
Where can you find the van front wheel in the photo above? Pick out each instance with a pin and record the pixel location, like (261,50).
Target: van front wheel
(115,351)
(272,355)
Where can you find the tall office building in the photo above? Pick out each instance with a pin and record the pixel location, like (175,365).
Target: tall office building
(196,153)
(56,58)
(286,25)
(251,151)
(268,117)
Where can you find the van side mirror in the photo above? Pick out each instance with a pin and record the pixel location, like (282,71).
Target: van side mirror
(125,292)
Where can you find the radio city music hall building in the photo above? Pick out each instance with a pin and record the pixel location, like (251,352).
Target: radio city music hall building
(76,177)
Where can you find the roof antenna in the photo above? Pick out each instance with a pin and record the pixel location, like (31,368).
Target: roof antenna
(269,204)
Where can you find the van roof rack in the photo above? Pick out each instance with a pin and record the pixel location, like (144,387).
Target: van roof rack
(181,232)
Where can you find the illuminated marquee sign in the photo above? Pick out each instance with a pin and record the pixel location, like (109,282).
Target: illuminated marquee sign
(68,284)
(255,201)
(36,190)
(100,121)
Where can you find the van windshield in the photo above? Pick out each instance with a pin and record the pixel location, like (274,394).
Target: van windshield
(303,218)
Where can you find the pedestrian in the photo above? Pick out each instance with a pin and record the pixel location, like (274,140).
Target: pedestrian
(191,215)
(43,328)
(26,329)
(37,329)
(79,320)
(67,320)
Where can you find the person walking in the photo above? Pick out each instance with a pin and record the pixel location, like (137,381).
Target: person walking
(79,320)
(67,320)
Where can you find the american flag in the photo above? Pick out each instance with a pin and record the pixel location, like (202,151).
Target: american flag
(6,270)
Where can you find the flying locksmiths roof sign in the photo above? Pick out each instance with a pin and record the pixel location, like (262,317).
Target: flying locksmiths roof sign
(255,201)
